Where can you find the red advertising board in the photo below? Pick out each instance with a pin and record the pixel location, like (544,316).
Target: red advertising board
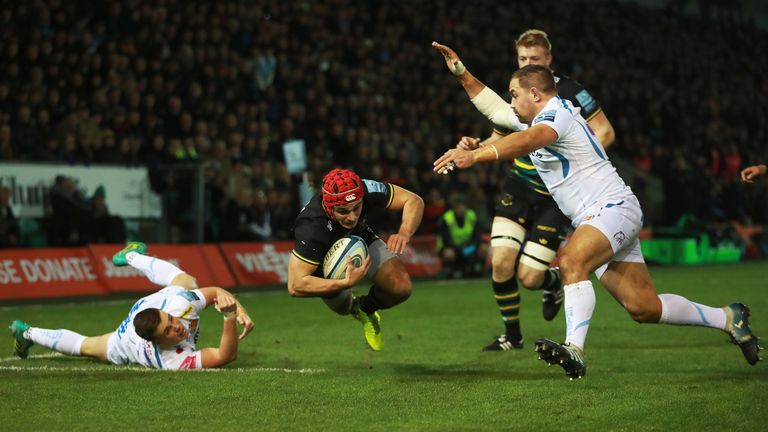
(267,263)
(189,258)
(66,272)
(37,273)
(258,263)
(422,259)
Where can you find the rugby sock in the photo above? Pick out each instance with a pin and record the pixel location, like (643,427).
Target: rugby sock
(551,280)
(508,301)
(369,303)
(63,341)
(156,270)
(679,310)
(579,305)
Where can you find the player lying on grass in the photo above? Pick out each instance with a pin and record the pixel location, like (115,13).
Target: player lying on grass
(338,210)
(607,218)
(160,330)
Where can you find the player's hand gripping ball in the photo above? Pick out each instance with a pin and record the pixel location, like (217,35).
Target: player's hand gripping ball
(335,261)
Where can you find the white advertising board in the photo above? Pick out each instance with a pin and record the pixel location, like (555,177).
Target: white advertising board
(128,193)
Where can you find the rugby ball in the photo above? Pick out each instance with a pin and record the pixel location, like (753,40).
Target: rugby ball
(335,261)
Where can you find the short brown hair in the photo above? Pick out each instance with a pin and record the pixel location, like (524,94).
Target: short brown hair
(146,322)
(535,76)
(534,37)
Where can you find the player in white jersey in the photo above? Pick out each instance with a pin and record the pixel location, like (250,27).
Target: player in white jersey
(607,218)
(160,330)
(528,227)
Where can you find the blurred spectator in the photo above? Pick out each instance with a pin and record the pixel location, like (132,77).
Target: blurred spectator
(10,232)
(460,246)
(70,210)
(247,217)
(103,227)
(434,206)
(141,82)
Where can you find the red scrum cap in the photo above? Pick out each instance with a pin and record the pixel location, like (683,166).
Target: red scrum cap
(341,186)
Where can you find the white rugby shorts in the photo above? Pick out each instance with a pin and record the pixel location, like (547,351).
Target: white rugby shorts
(620,220)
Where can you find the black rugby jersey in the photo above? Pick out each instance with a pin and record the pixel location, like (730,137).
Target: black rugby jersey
(315,232)
(569,89)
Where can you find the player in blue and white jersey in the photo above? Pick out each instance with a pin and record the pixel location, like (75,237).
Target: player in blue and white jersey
(341,209)
(527,226)
(161,329)
(607,218)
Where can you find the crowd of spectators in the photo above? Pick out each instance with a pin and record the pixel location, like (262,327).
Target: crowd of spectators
(173,82)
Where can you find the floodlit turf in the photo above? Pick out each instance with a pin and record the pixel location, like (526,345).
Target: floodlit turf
(304,368)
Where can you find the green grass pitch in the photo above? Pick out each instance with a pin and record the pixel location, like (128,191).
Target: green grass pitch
(304,368)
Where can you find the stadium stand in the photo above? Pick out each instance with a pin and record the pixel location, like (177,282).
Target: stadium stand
(224,84)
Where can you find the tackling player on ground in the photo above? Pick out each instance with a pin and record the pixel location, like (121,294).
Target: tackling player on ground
(338,210)
(160,330)
(607,217)
(527,220)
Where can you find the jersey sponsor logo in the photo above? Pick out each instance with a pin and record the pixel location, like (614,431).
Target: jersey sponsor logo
(375,186)
(586,101)
(188,311)
(350,197)
(620,237)
(189,295)
(189,363)
(545,116)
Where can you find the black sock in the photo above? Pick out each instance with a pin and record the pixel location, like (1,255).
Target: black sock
(508,301)
(551,280)
(369,303)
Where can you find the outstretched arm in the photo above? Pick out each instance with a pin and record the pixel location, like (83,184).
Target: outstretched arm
(413,209)
(508,147)
(490,104)
(471,85)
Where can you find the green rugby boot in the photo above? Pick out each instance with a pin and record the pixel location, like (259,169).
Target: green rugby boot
(371,326)
(119,259)
(21,344)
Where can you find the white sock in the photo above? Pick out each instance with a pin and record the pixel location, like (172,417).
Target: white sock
(62,340)
(579,305)
(679,310)
(158,271)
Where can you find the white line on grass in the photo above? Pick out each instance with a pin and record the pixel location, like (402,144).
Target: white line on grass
(35,356)
(98,369)
(114,368)
(44,303)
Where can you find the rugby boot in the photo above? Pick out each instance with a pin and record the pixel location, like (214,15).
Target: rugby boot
(569,357)
(119,258)
(737,327)
(504,343)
